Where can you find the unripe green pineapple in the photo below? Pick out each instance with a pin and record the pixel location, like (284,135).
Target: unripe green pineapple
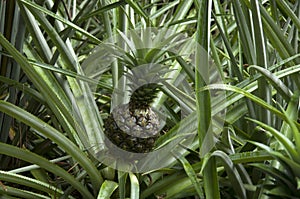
(135,126)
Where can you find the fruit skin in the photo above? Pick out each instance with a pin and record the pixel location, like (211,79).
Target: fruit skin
(135,126)
(135,131)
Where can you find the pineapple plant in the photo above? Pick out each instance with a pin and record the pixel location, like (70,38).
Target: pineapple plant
(135,126)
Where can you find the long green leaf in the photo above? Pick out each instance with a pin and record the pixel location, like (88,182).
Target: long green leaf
(59,18)
(275,81)
(9,192)
(122,177)
(291,116)
(81,92)
(192,175)
(289,12)
(46,87)
(23,87)
(252,97)
(44,163)
(26,181)
(103,9)
(242,21)
(232,172)
(276,174)
(281,157)
(107,189)
(51,133)
(264,90)
(135,187)
(69,73)
(138,9)
(203,102)
(288,145)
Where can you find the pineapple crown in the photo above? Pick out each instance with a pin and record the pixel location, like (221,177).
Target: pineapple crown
(145,82)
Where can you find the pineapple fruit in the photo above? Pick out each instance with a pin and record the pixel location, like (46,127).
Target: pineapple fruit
(134,126)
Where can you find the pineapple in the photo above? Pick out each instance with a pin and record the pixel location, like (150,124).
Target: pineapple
(135,126)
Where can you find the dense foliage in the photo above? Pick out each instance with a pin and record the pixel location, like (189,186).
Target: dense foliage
(47,130)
